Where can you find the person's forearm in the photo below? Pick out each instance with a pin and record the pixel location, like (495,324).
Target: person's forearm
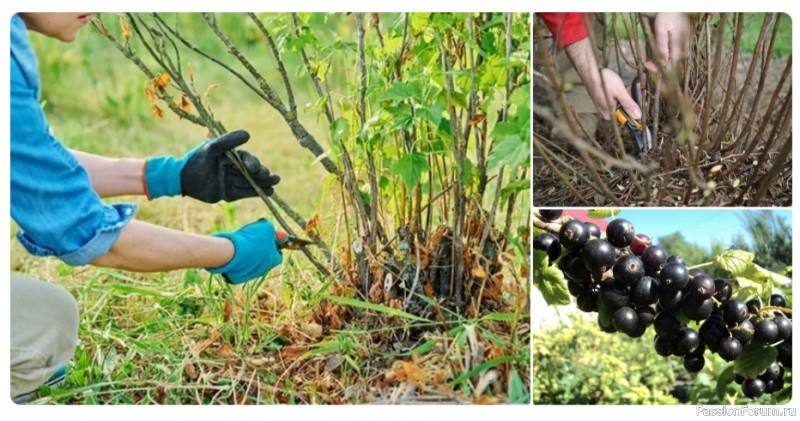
(585,63)
(144,247)
(113,177)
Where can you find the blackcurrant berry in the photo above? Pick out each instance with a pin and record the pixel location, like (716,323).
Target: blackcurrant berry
(573,267)
(697,309)
(638,331)
(734,312)
(654,259)
(753,388)
(693,363)
(723,290)
(688,340)
(712,332)
(743,332)
(697,272)
(673,277)
(640,243)
(614,297)
(663,346)
(753,306)
(670,300)
(730,348)
(667,325)
(587,301)
(676,259)
(573,234)
(785,354)
(765,331)
(784,327)
(620,233)
(645,291)
(550,214)
(548,243)
(777,300)
(773,372)
(738,378)
(701,287)
(625,320)
(646,315)
(628,270)
(575,287)
(598,255)
(594,230)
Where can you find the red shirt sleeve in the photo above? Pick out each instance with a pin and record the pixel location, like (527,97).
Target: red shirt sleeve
(567,28)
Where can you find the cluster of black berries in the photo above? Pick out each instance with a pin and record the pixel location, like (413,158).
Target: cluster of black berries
(632,284)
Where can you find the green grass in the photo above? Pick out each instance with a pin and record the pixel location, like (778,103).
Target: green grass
(184,336)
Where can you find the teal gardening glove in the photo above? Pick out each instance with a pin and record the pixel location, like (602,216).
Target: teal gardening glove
(255,252)
(206,174)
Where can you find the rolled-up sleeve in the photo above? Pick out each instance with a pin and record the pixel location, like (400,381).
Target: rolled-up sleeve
(567,28)
(52,199)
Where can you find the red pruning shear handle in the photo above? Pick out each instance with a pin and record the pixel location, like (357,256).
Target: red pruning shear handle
(290,242)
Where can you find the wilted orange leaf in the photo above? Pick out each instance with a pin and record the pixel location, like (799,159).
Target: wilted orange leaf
(427,289)
(161,81)
(404,371)
(228,310)
(157,112)
(312,226)
(151,95)
(190,371)
(476,119)
(225,351)
(185,105)
(293,351)
(124,29)
(479,272)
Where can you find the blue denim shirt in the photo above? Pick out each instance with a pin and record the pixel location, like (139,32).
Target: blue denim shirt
(52,199)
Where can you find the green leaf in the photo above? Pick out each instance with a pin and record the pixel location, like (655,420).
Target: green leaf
(511,188)
(549,280)
(410,168)
(373,307)
(517,392)
(602,213)
(755,359)
(724,379)
(734,261)
(400,91)
(511,150)
(763,276)
(481,368)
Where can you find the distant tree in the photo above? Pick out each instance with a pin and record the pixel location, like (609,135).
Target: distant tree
(770,238)
(675,244)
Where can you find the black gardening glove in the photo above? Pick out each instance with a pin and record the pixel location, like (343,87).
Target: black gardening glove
(210,176)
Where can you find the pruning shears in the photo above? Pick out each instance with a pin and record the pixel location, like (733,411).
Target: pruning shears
(639,130)
(290,242)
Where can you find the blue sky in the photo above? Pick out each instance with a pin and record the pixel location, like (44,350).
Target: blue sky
(699,226)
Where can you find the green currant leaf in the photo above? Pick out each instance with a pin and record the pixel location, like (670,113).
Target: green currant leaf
(410,168)
(549,280)
(602,213)
(725,378)
(755,359)
(734,261)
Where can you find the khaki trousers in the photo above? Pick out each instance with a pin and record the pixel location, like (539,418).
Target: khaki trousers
(44,332)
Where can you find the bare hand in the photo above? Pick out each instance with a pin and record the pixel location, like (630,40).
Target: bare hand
(672,38)
(616,91)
